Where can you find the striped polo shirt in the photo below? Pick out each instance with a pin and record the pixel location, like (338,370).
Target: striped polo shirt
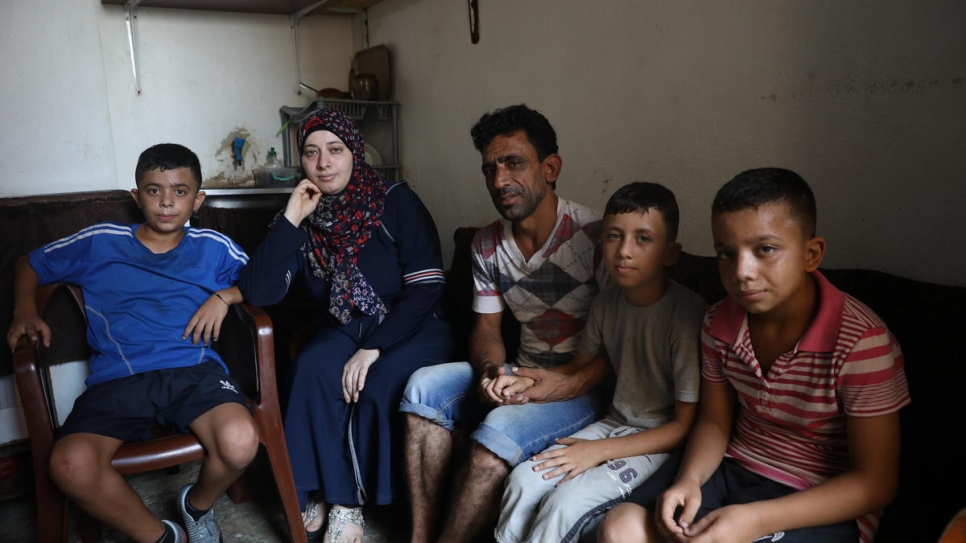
(791,423)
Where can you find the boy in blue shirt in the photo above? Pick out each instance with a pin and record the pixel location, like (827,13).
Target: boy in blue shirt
(155,294)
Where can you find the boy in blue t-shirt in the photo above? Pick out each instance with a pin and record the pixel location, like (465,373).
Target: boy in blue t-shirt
(155,294)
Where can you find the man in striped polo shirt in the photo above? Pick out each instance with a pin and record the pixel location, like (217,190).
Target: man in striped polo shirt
(540,261)
(797,437)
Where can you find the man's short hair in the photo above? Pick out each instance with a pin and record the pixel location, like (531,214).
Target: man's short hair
(753,188)
(507,120)
(639,197)
(167,156)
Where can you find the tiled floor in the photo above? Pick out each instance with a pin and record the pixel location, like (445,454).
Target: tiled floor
(259,520)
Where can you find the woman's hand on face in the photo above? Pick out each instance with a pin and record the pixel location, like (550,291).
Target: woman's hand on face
(302,202)
(354,373)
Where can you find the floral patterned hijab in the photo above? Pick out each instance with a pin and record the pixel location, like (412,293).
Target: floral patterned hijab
(342,223)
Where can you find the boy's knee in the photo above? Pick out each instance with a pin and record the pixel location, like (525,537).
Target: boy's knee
(561,498)
(237,442)
(623,523)
(521,478)
(75,465)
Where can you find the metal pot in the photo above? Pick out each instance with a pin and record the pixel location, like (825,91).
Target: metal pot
(365,87)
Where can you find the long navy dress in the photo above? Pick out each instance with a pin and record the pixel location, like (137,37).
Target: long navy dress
(348,451)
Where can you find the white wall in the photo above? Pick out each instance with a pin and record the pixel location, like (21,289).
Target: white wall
(71,120)
(867,100)
(55,128)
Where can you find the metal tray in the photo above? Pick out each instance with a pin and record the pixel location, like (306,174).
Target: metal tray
(375,60)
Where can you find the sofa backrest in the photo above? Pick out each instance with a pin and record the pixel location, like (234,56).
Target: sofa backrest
(927,320)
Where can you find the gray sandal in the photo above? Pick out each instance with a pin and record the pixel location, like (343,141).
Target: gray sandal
(338,518)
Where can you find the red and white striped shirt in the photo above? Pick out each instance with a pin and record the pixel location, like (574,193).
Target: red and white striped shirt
(791,423)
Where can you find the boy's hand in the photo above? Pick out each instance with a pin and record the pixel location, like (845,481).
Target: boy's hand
(578,456)
(730,524)
(205,324)
(512,393)
(354,373)
(486,385)
(497,389)
(509,388)
(302,202)
(31,326)
(681,495)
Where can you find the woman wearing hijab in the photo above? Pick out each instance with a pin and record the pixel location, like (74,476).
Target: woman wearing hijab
(368,251)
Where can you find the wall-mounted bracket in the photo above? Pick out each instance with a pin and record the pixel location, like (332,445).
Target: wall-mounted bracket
(294,23)
(131,20)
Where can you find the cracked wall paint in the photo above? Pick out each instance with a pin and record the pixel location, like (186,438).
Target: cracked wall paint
(229,174)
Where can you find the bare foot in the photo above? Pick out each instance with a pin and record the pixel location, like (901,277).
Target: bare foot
(345,525)
(314,515)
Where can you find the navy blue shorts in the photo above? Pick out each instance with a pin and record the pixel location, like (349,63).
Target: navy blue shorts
(732,484)
(129,408)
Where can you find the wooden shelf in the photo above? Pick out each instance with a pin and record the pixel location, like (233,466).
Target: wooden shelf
(276,7)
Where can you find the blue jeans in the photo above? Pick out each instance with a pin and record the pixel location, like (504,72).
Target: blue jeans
(447,395)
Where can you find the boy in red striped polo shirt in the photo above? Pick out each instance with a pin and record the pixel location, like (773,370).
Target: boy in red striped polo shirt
(797,437)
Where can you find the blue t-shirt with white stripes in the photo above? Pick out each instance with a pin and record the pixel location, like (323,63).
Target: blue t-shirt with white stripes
(138,303)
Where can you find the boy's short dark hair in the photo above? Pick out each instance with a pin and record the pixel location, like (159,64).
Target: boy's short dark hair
(167,156)
(504,121)
(639,197)
(753,188)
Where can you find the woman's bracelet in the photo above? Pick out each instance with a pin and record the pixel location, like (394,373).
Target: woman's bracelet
(222,299)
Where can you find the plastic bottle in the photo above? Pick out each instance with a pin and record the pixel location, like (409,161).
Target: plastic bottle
(275,168)
(273,161)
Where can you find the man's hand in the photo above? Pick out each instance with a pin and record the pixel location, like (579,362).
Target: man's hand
(578,456)
(205,324)
(354,373)
(548,386)
(31,326)
(565,382)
